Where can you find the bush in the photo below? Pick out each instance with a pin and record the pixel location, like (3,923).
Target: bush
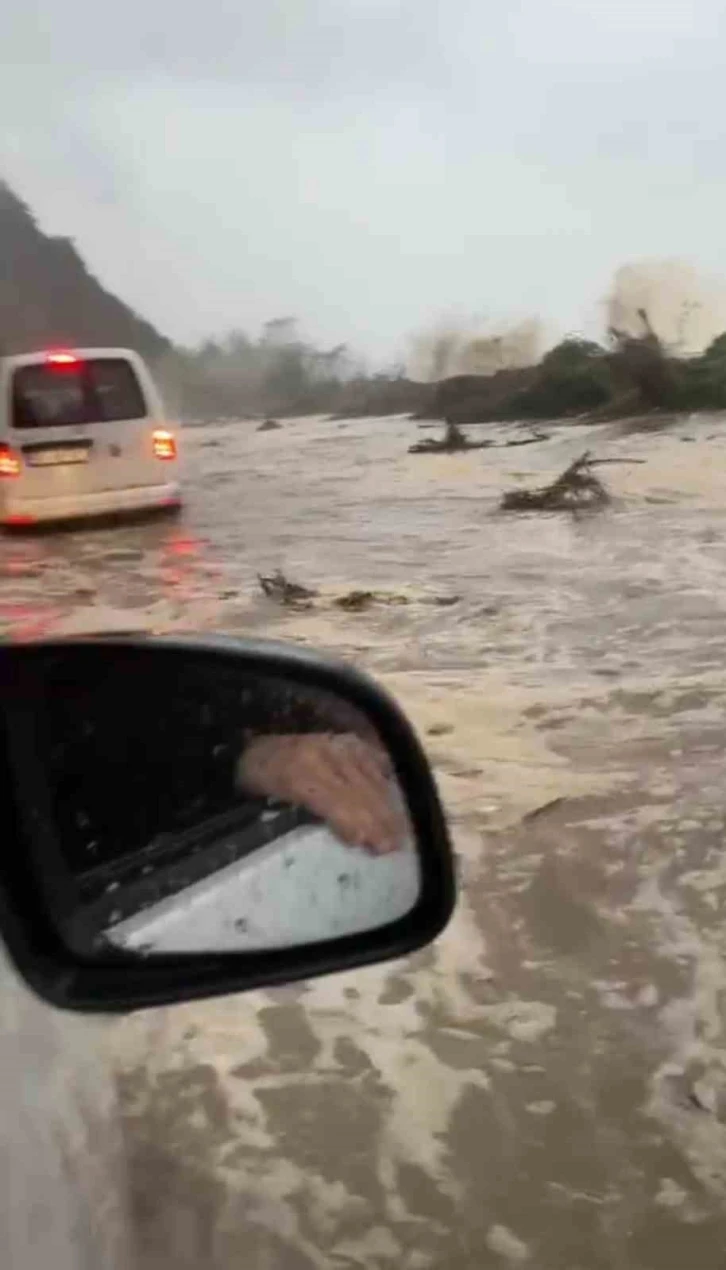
(703,379)
(573,377)
(565,390)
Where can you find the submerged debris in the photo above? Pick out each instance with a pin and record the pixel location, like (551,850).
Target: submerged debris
(452,442)
(532,439)
(576,489)
(603,462)
(277,587)
(445,601)
(355,601)
(359,601)
(292,594)
(439,729)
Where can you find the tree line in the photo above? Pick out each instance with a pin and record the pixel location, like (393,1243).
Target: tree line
(282,373)
(629,374)
(662,350)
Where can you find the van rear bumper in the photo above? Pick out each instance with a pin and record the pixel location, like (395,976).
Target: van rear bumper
(30,511)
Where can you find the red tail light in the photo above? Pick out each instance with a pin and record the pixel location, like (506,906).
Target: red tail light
(10,462)
(61,359)
(164,444)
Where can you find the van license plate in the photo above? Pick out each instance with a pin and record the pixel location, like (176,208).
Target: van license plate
(53,458)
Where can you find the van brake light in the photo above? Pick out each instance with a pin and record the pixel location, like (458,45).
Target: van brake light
(164,444)
(9,461)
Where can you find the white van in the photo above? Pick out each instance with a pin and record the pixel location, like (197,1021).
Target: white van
(82,433)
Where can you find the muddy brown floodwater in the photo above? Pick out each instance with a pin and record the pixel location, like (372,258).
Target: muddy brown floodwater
(546,1086)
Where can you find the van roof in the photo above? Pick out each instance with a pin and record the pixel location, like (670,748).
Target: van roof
(83,355)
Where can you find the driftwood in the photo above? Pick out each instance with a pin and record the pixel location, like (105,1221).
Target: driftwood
(355,601)
(577,489)
(530,440)
(277,587)
(359,601)
(603,462)
(441,447)
(452,442)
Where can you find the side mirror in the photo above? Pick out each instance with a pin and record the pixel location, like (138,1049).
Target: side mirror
(186,819)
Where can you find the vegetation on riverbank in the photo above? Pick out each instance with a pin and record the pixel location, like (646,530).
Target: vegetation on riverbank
(47,295)
(630,375)
(280,373)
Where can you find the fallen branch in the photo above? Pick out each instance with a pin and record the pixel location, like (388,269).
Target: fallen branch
(530,440)
(355,601)
(576,489)
(602,462)
(440,447)
(452,442)
(277,587)
(358,601)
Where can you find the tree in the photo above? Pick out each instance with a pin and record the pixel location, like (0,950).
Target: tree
(685,309)
(572,353)
(715,354)
(279,332)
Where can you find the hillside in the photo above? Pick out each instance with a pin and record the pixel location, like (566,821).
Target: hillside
(48,296)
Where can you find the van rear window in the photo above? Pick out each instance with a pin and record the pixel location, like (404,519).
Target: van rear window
(100,390)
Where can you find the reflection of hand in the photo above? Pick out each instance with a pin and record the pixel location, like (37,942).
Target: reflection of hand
(343,779)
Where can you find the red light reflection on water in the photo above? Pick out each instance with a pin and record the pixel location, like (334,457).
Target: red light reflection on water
(24,623)
(189,578)
(184,545)
(20,561)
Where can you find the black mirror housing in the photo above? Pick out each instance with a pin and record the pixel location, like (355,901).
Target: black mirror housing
(52,911)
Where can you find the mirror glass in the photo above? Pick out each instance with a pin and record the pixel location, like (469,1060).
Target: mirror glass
(177,803)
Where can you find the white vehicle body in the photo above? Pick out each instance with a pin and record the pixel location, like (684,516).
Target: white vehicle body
(83,433)
(64,1199)
(282,895)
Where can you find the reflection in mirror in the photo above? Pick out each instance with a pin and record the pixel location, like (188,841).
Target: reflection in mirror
(180,804)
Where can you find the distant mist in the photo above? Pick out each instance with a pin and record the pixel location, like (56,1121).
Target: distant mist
(463,348)
(685,310)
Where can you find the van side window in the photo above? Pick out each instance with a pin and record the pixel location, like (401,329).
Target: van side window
(100,390)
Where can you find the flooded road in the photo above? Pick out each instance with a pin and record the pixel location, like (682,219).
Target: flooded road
(545,1087)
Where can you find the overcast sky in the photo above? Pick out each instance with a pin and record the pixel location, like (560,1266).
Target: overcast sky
(367,165)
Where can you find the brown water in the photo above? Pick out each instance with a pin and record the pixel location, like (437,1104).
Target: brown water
(547,1085)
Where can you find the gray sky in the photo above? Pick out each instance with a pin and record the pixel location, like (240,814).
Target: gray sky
(367,165)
